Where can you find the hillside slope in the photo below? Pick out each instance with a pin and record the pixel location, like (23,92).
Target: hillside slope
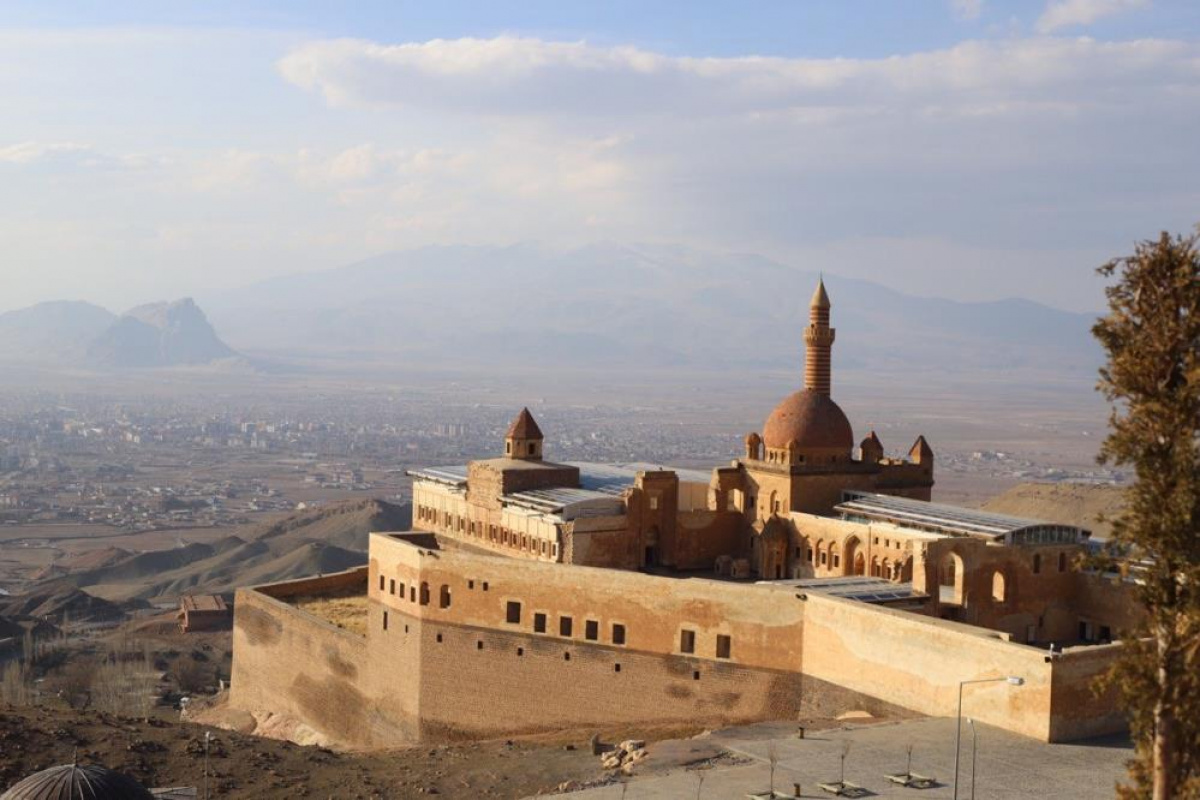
(326,539)
(1068,503)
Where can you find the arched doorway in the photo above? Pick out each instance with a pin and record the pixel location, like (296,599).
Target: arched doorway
(774,544)
(950,580)
(854,561)
(650,554)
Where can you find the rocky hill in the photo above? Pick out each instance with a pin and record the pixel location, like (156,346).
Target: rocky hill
(159,335)
(60,602)
(322,540)
(76,334)
(1086,505)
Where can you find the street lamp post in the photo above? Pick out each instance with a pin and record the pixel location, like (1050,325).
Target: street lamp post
(974,747)
(1012,680)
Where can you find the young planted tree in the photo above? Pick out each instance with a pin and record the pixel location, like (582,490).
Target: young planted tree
(1152,377)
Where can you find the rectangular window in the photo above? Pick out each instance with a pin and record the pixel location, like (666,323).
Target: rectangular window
(385,620)
(723,646)
(687,641)
(618,633)
(381,579)
(654,504)
(392,586)
(512,614)
(539,623)
(564,626)
(591,630)
(401,592)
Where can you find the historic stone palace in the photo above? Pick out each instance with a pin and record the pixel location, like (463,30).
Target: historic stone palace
(802,578)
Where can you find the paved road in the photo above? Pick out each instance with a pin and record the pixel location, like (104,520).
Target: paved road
(1007,766)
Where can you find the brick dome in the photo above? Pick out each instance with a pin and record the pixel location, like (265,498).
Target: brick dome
(74,782)
(808,421)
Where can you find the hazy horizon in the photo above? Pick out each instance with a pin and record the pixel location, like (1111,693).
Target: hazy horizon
(201,293)
(965,149)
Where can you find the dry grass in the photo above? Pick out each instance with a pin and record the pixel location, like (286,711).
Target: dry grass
(348,611)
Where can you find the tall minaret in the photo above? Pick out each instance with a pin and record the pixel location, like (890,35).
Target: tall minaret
(818,341)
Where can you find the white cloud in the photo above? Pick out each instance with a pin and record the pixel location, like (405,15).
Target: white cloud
(1068,13)
(510,76)
(67,154)
(967,9)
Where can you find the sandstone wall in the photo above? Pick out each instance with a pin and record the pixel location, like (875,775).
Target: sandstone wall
(1078,709)
(292,664)
(702,536)
(461,644)
(917,662)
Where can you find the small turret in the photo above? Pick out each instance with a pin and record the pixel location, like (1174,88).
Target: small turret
(872,449)
(524,438)
(753,446)
(921,453)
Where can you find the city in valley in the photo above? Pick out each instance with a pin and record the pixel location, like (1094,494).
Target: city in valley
(609,400)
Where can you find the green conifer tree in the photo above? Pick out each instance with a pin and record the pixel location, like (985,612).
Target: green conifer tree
(1152,377)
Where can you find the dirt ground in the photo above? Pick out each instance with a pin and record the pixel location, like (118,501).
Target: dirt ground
(162,753)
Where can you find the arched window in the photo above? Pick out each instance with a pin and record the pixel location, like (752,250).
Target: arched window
(999,587)
(444,597)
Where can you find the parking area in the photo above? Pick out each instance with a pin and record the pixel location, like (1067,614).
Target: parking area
(1006,765)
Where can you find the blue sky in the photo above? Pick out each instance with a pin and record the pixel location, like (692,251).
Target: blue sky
(815,28)
(972,149)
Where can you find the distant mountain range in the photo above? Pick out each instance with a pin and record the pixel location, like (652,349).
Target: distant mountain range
(614,306)
(81,334)
(603,307)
